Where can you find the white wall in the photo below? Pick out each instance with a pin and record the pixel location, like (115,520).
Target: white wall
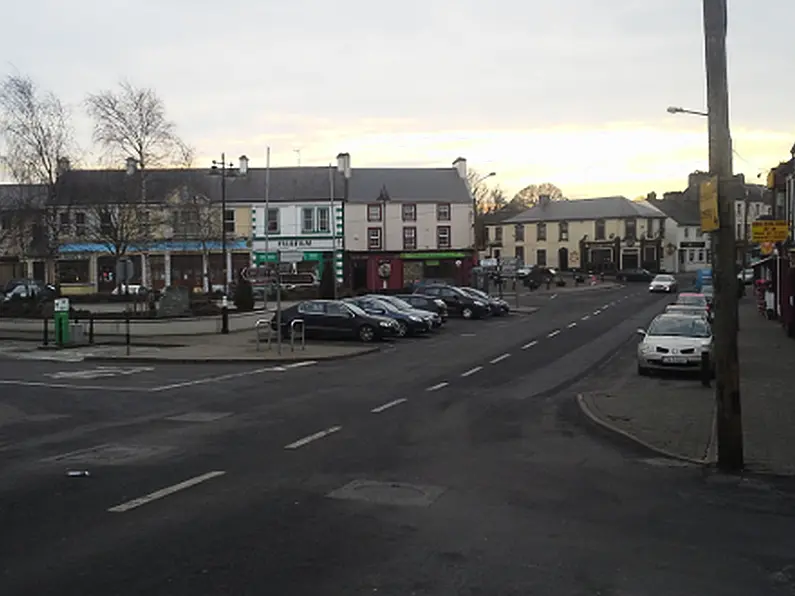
(461,219)
(291,218)
(755,210)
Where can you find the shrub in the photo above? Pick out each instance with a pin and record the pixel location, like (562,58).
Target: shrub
(244,296)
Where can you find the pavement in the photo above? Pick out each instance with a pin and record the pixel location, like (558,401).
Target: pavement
(677,415)
(455,464)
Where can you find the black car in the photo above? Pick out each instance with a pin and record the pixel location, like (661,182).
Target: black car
(634,275)
(429,303)
(459,302)
(335,319)
(427,315)
(409,322)
(498,306)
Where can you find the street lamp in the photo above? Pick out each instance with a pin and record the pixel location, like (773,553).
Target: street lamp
(479,180)
(678,110)
(384,198)
(224,170)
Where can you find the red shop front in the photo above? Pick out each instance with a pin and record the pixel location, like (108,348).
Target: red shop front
(395,271)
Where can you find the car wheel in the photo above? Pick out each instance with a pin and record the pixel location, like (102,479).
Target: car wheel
(366,333)
(643,371)
(402,330)
(467,313)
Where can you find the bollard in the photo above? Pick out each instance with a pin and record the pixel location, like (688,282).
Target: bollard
(91,328)
(46,330)
(127,330)
(706,370)
(225,316)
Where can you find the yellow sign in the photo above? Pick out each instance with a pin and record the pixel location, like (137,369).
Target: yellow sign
(766,248)
(769,230)
(708,205)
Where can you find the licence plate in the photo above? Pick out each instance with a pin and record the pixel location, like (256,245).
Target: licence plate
(675,360)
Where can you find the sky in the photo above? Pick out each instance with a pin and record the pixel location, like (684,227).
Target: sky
(572,92)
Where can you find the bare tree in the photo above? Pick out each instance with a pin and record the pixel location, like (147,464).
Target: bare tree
(119,226)
(529,195)
(39,137)
(196,218)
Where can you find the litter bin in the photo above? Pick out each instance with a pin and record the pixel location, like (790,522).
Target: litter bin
(61,321)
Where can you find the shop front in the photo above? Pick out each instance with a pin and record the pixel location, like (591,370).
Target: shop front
(315,253)
(395,271)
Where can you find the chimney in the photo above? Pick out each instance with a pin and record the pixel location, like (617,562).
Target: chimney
(243,165)
(64,165)
(132,166)
(460,164)
(543,200)
(344,164)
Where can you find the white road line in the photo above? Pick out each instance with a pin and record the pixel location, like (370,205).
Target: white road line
(554,333)
(571,325)
(553,296)
(500,358)
(315,437)
(217,379)
(530,345)
(467,335)
(596,312)
(437,386)
(472,371)
(164,492)
(586,317)
(386,406)
(68,386)
(605,307)
(301,364)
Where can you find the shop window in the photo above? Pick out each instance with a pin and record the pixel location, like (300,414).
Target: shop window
(74,271)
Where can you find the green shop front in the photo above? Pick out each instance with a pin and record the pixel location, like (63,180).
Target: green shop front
(393,271)
(314,252)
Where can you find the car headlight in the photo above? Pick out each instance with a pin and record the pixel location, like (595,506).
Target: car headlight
(415,319)
(386,324)
(646,349)
(479,303)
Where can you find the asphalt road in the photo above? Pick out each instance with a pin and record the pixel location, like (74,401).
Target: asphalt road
(221,480)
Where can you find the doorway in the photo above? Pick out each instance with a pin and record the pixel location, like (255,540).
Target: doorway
(563,258)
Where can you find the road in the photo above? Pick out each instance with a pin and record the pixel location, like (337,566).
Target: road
(454,464)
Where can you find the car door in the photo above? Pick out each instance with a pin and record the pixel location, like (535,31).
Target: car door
(313,316)
(339,320)
(452,299)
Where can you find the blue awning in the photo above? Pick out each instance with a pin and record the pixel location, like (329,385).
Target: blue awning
(165,246)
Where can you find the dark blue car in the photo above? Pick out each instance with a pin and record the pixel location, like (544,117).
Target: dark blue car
(409,323)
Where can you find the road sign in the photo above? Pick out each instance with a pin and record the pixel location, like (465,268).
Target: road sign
(708,205)
(769,230)
(488,262)
(61,305)
(124,270)
(291,256)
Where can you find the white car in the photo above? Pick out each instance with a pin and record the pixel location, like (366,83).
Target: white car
(663,283)
(674,341)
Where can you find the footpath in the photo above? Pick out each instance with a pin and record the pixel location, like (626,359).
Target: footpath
(676,415)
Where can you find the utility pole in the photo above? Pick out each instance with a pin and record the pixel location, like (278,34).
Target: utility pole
(726,353)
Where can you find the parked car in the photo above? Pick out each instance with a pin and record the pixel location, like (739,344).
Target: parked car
(498,306)
(674,342)
(663,284)
(459,302)
(709,294)
(696,300)
(409,322)
(336,319)
(28,289)
(683,309)
(418,286)
(746,276)
(429,303)
(434,320)
(634,275)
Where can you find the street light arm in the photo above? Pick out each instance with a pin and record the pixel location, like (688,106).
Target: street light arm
(678,110)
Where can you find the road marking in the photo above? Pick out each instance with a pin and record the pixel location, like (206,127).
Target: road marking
(586,317)
(217,379)
(437,386)
(554,333)
(391,404)
(530,345)
(164,492)
(605,307)
(500,358)
(68,386)
(315,437)
(553,296)
(99,372)
(472,371)
(596,312)
(571,325)
(300,364)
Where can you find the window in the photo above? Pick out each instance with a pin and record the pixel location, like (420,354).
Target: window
(687,232)
(486,235)
(563,231)
(498,235)
(599,232)
(335,309)
(373,212)
(662,228)
(73,271)
(519,254)
(409,238)
(631,229)
(541,232)
(80,223)
(443,212)
(701,256)
(739,206)
(105,223)
(519,232)
(443,237)
(541,257)
(186,223)
(409,212)
(323,219)
(63,222)
(691,255)
(739,230)
(273,221)
(229,221)
(374,238)
(6,221)
(649,227)
(307,220)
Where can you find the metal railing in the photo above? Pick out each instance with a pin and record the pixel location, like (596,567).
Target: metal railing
(257,329)
(293,324)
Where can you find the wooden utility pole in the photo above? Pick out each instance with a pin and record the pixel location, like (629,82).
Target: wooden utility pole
(727,382)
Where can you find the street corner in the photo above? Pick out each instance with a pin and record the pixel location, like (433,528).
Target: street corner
(671,416)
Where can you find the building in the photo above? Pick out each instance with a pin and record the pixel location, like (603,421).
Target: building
(686,247)
(407,224)
(600,234)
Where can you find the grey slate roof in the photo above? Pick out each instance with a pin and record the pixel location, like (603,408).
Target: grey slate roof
(15,196)
(415,185)
(683,211)
(586,209)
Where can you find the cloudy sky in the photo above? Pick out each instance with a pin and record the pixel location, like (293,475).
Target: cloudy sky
(572,92)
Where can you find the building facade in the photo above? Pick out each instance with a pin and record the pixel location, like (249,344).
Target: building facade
(600,234)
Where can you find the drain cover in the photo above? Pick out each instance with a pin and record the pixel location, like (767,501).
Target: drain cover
(110,454)
(199,417)
(388,493)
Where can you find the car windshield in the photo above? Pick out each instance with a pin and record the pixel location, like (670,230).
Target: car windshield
(396,302)
(664,278)
(477,293)
(679,327)
(692,300)
(356,309)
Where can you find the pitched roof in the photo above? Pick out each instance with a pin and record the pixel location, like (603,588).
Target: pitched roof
(683,211)
(415,185)
(587,209)
(15,196)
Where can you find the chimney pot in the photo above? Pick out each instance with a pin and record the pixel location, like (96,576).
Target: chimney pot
(63,165)
(132,165)
(344,164)
(460,164)
(243,165)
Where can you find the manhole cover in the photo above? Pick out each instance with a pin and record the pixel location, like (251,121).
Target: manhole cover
(199,416)
(110,454)
(388,493)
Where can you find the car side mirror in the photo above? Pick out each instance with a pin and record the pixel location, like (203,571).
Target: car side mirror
(641,332)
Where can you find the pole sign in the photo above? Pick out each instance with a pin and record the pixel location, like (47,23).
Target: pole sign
(708,205)
(769,231)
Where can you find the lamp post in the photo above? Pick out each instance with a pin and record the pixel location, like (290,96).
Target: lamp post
(384,198)
(678,110)
(224,170)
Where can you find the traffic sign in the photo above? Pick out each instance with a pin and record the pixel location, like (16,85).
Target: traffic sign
(769,230)
(291,256)
(708,205)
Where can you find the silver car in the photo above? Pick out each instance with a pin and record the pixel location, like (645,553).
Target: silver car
(674,342)
(684,309)
(663,283)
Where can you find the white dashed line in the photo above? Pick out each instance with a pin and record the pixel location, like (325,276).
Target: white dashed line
(553,296)
(554,333)
(472,371)
(605,307)
(300,364)
(586,317)
(386,406)
(530,345)
(437,386)
(164,492)
(596,312)
(500,358)
(571,325)
(315,437)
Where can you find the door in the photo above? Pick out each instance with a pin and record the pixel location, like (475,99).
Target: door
(451,299)
(338,320)
(313,315)
(563,259)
